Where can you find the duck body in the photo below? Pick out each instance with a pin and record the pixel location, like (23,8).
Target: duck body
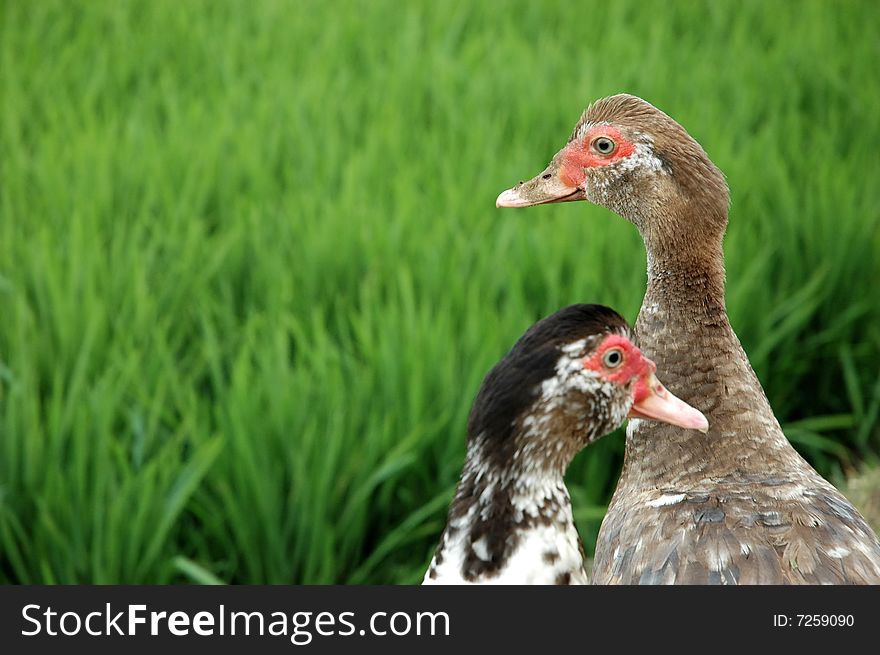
(736,505)
(572,378)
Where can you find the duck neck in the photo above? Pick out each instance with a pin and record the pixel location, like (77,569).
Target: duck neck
(690,274)
(510,494)
(683,326)
(498,509)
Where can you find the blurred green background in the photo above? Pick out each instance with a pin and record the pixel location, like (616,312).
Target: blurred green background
(251,272)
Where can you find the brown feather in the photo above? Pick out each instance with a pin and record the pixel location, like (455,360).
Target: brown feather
(737,504)
(754,512)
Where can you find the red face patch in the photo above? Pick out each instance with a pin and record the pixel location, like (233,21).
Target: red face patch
(589,152)
(617,359)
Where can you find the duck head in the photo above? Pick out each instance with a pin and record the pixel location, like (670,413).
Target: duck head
(572,378)
(629,157)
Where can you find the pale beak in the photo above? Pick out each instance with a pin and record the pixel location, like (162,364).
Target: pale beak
(544,188)
(654,401)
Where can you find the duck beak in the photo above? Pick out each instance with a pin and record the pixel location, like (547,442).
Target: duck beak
(654,401)
(544,188)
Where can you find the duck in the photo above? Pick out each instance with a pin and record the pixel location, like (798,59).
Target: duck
(572,378)
(736,504)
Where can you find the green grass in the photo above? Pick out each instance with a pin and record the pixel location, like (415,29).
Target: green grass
(251,274)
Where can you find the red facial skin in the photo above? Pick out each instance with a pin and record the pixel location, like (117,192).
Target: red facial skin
(634,365)
(650,399)
(579,155)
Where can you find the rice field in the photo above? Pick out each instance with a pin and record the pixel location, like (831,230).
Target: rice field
(251,271)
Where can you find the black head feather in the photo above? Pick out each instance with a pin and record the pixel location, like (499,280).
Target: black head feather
(513,384)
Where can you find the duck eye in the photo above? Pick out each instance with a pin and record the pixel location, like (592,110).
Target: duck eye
(613,358)
(603,145)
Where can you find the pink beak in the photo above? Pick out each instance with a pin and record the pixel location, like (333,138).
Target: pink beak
(654,401)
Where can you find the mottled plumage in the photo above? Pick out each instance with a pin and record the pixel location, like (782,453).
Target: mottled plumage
(736,505)
(510,521)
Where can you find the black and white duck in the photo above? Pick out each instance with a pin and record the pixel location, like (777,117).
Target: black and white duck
(570,379)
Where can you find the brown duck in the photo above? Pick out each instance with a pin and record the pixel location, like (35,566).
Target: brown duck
(736,505)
